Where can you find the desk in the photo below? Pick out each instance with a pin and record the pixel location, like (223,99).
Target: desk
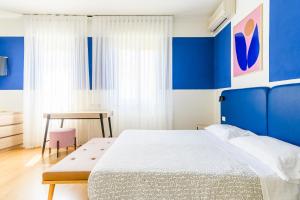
(77,115)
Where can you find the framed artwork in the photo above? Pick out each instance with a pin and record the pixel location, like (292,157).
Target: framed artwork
(247,38)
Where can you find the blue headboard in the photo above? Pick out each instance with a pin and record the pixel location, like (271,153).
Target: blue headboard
(284,113)
(246,108)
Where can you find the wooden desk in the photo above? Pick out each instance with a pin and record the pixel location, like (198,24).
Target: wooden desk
(77,115)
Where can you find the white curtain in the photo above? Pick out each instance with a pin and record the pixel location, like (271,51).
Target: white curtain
(132,73)
(55,72)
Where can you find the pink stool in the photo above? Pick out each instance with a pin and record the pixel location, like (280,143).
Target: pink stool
(62,137)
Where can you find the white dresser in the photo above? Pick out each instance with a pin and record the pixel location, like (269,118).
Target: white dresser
(11,129)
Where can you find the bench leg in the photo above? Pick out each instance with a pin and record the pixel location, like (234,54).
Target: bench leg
(51,191)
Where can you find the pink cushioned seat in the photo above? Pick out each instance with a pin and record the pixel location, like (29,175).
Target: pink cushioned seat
(62,137)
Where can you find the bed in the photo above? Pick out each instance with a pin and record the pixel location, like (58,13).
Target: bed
(145,164)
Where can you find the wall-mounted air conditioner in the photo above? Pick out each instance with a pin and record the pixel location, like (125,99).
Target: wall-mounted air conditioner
(223,13)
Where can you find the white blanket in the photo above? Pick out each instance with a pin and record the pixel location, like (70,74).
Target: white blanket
(180,165)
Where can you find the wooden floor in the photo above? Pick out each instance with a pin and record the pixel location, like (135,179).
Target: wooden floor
(21,176)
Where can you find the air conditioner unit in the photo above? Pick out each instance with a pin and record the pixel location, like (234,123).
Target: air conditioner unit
(223,13)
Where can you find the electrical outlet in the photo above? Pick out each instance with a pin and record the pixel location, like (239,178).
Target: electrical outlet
(223,119)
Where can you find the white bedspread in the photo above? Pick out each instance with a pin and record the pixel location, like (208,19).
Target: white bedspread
(182,165)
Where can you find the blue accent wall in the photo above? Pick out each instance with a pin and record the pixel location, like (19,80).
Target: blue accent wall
(222,58)
(13,48)
(193,63)
(284,40)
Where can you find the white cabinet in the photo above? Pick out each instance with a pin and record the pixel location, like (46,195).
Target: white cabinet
(11,129)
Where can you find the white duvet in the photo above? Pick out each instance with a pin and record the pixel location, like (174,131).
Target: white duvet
(182,165)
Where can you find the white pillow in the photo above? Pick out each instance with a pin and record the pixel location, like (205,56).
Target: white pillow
(226,132)
(283,158)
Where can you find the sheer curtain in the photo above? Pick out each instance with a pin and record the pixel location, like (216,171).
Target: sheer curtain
(55,71)
(132,73)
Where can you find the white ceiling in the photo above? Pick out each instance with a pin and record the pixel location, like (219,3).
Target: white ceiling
(112,7)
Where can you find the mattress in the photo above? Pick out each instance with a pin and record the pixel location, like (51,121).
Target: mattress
(181,165)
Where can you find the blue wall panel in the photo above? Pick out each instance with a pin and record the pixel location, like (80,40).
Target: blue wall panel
(13,48)
(193,63)
(284,40)
(222,58)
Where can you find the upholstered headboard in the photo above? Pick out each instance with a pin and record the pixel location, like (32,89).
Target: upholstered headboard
(245,108)
(284,113)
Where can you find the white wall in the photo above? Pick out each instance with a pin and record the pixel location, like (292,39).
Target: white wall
(191,26)
(11,100)
(11,26)
(190,106)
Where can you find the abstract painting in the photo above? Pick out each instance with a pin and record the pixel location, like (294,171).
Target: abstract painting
(247,36)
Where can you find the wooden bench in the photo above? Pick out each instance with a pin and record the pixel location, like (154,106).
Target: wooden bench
(77,166)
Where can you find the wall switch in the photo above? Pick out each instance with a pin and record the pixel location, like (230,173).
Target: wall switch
(223,119)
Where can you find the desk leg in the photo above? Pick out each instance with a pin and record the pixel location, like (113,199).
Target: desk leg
(62,123)
(110,131)
(45,134)
(102,125)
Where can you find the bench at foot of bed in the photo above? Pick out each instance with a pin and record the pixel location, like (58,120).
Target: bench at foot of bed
(76,167)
